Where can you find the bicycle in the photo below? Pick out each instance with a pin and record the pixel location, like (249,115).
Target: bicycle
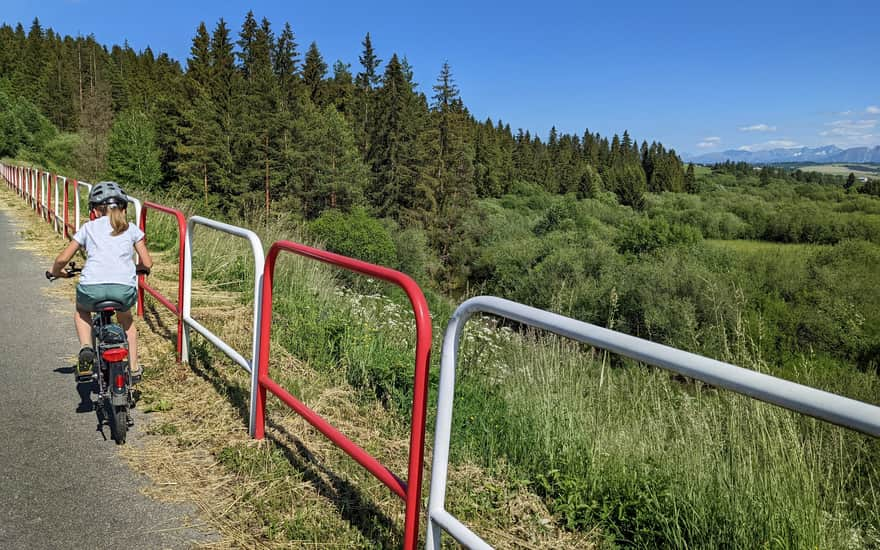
(111,372)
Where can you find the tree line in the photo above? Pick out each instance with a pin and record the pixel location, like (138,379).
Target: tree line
(252,122)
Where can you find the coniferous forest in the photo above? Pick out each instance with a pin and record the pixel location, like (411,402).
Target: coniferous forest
(255,120)
(769,267)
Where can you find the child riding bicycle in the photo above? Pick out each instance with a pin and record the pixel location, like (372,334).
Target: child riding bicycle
(109,272)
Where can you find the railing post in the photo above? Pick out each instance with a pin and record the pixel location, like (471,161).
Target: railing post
(142,284)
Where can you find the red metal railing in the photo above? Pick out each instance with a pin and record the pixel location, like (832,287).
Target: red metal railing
(409,491)
(142,281)
(69,228)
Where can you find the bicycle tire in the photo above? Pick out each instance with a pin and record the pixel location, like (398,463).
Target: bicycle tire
(120,424)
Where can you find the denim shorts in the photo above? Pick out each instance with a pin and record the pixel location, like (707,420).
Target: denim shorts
(89,295)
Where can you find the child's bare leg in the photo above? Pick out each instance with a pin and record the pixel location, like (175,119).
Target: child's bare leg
(127,321)
(82,320)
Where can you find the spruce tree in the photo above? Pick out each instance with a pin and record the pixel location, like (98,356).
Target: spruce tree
(196,164)
(368,78)
(690,180)
(454,174)
(328,169)
(365,82)
(285,60)
(314,70)
(245,41)
(340,91)
(397,153)
(258,150)
(30,80)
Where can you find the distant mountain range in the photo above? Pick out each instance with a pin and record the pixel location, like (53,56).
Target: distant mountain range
(825,154)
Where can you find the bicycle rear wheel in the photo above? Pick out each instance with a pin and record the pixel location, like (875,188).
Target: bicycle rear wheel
(120,424)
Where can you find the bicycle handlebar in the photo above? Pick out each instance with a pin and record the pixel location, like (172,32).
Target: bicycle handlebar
(73,270)
(68,273)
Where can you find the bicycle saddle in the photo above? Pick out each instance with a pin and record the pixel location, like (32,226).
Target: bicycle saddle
(111,305)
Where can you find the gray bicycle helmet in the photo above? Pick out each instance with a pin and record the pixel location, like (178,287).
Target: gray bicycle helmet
(107,193)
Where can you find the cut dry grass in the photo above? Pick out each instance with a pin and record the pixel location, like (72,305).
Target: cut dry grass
(295,489)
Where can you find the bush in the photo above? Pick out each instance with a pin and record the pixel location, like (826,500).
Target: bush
(648,234)
(356,235)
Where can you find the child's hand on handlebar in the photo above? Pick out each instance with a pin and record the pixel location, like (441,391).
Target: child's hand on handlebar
(63,274)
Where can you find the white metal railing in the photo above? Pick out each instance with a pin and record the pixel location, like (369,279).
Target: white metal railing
(32,188)
(833,408)
(188,322)
(56,224)
(76,201)
(43,195)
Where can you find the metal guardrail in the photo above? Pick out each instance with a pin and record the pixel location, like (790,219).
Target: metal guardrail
(409,491)
(77,200)
(188,321)
(826,406)
(142,282)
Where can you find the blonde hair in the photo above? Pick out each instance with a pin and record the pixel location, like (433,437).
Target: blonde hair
(117,219)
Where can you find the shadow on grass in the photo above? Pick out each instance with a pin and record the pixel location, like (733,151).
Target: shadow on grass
(349,500)
(353,506)
(156,324)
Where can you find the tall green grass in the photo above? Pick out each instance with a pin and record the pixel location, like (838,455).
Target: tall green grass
(663,462)
(653,460)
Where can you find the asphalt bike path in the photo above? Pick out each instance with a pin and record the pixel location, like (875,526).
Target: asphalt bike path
(62,484)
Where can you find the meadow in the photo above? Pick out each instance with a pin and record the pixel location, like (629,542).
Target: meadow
(623,454)
(860,170)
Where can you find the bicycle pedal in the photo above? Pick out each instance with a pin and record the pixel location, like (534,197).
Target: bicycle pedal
(85,377)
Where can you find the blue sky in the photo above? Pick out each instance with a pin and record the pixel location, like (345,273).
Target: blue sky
(698,76)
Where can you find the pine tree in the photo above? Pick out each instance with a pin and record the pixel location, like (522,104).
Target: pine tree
(341,88)
(258,151)
(454,163)
(850,181)
(590,183)
(690,180)
(245,41)
(285,60)
(167,117)
(30,80)
(199,63)
(368,78)
(212,122)
(397,153)
(60,78)
(365,82)
(313,74)
(328,170)
(227,91)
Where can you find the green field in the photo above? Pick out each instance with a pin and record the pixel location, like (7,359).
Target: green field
(746,246)
(866,170)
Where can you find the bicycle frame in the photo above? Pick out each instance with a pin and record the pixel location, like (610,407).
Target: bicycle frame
(111,359)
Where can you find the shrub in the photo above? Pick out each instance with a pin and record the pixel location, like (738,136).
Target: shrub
(647,234)
(355,234)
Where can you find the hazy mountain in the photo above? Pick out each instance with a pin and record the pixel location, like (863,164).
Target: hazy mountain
(825,154)
(859,154)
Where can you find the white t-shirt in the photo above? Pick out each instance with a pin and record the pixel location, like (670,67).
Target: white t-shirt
(109,259)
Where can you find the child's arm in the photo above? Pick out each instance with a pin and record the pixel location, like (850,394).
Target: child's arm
(144,259)
(63,258)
